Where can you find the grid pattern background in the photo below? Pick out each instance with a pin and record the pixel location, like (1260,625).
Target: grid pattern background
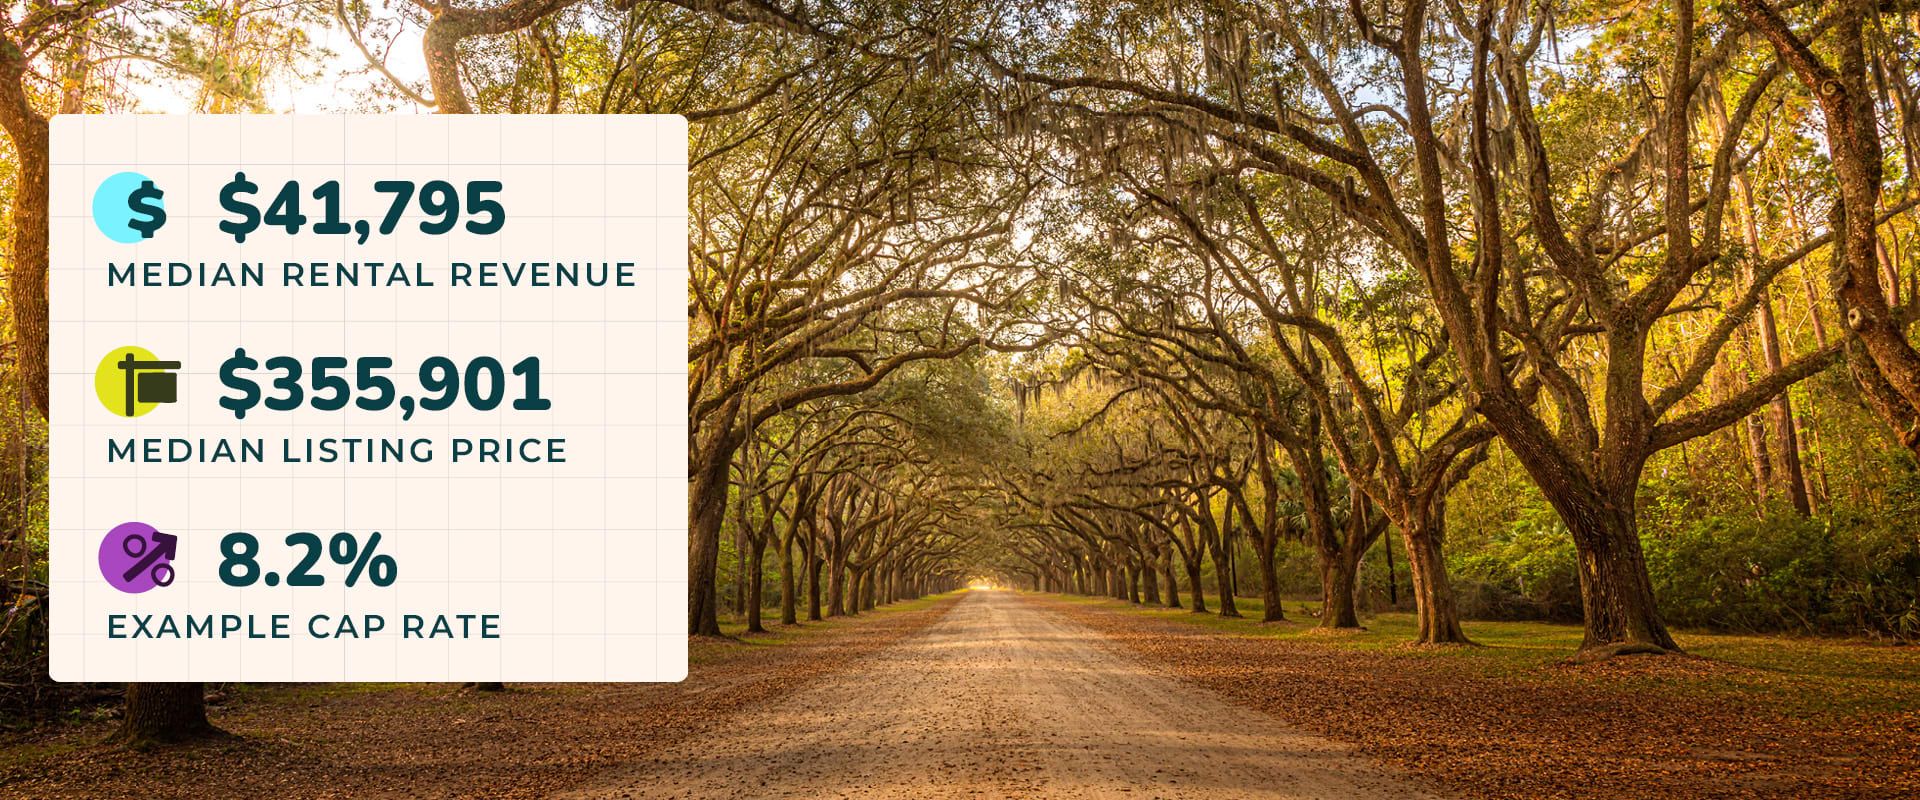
(584,561)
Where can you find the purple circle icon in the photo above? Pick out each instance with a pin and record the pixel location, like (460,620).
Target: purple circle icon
(136,557)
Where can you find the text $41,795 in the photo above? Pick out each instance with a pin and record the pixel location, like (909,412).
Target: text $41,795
(439,200)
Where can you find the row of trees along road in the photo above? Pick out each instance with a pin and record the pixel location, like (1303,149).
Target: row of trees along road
(1099,295)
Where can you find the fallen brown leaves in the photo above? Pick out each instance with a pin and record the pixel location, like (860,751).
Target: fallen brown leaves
(1624,728)
(431,741)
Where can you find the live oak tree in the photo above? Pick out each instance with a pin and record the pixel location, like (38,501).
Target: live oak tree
(830,194)
(41,35)
(869,499)
(1263,300)
(1126,475)
(1211,357)
(1324,259)
(831,208)
(451,23)
(866,489)
(1402,439)
(1553,269)
(59,57)
(1887,367)
(1091,491)
(1557,246)
(1452,173)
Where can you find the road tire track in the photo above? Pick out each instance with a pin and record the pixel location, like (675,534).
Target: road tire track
(1002,699)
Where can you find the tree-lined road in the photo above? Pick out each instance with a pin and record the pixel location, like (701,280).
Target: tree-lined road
(1002,698)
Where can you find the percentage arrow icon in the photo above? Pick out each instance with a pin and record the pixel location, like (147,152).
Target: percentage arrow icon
(165,545)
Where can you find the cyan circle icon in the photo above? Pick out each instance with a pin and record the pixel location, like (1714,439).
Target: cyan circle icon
(127,207)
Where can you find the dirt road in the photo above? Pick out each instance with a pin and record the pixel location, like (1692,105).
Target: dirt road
(1002,699)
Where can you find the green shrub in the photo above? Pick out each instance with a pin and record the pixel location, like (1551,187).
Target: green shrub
(1852,570)
(1740,574)
(1845,573)
(1529,564)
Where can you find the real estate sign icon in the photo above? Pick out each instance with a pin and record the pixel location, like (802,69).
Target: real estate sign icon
(131,381)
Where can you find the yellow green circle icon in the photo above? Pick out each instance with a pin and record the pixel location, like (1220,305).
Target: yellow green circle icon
(132,381)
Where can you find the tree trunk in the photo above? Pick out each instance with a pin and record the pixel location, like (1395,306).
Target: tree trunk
(1274,610)
(1439,614)
(440,42)
(837,584)
(1616,593)
(814,565)
(1845,97)
(1393,579)
(789,605)
(163,713)
(27,274)
(754,600)
(1224,576)
(740,563)
(1193,583)
(1755,428)
(1233,563)
(708,504)
(1173,584)
(1223,573)
(1338,578)
(1780,415)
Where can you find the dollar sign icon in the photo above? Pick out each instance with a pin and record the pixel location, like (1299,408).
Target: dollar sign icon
(146,200)
(249,216)
(249,391)
(127,207)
